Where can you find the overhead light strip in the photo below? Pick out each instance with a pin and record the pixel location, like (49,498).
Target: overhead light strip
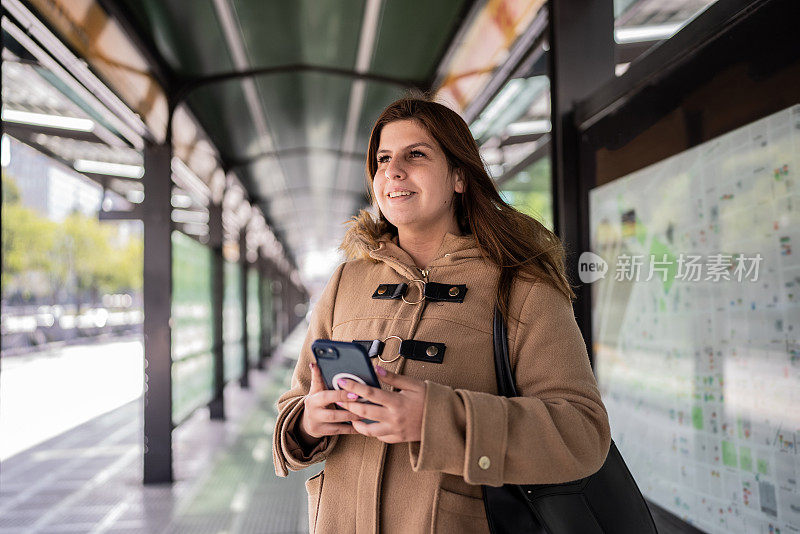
(528,127)
(109,168)
(233,38)
(638,34)
(366,49)
(51,121)
(88,96)
(189,182)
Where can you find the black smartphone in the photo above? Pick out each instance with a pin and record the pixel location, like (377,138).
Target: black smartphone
(341,359)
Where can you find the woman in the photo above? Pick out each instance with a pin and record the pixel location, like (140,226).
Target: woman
(442,431)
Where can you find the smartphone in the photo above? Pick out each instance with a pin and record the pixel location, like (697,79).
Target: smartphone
(341,359)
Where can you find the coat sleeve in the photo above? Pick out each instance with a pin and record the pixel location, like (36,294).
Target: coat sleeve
(287,453)
(556,431)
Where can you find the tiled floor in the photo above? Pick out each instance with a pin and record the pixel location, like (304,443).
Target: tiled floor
(89,478)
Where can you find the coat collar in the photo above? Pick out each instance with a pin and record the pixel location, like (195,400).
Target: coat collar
(453,250)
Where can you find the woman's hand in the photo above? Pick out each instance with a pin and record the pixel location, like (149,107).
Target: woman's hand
(320,418)
(398,414)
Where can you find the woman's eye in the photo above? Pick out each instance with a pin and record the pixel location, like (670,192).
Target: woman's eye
(416,154)
(383,159)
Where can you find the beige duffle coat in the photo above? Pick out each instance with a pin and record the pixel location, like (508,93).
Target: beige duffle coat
(556,432)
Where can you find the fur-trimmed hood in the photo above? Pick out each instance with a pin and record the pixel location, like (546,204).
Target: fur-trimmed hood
(364,234)
(370,239)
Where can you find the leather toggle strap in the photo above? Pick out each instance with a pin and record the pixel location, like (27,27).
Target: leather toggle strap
(374,347)
(390,291)
(445,292)
(411,349)
(433,291)
(424,351)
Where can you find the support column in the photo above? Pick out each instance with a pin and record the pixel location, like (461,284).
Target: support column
(264,338)
(157,292)
(581,37)
(216,406)
(244,380)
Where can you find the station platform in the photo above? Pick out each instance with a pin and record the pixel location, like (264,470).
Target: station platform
(89,479)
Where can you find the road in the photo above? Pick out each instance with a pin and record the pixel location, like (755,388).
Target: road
(44,394)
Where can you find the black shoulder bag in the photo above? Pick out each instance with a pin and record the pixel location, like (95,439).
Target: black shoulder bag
(607,502)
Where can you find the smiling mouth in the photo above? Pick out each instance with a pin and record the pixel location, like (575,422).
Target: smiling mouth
(397,194)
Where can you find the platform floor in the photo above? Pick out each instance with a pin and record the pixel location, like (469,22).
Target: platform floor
(89,479)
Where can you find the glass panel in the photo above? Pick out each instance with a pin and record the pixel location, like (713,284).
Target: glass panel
(253,318)
(190,39)
(192,327)
(639,25)
(71,303)
(306,109)
(232,335)
(517,110)
(414,59)
(531,192)
(223,112)
(317,32)
(485,47)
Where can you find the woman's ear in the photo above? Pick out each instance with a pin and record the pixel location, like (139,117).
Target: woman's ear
(460,183)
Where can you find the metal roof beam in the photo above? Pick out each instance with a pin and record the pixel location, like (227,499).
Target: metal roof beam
(295,151)
(196,83)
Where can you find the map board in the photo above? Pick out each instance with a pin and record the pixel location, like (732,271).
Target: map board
(696,326)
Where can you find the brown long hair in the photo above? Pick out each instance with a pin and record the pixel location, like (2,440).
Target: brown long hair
(517,243)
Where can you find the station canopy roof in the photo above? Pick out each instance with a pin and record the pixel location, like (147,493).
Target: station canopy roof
(286,92)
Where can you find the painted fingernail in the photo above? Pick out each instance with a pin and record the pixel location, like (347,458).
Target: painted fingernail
(342,382)
(352,396)
(380,370)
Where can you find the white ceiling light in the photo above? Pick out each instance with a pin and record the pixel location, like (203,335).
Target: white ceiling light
(528,127)
(180,200)
(52,121)
(190,217)
(195,229)
(189,182)
(106,167)
(5,151)
(135,196)
(637,34)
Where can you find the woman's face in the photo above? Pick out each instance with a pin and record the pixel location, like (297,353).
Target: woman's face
(413,185)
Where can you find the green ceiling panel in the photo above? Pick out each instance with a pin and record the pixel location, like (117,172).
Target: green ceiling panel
(377,97)
(413,35)
(296,169)
(305,109)
(223,112)
(316,32)
(185,32)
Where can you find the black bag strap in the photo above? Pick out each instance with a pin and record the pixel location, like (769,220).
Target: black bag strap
(502,363)
(607,501)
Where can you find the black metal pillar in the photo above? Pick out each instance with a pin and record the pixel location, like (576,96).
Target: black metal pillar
(280,305)
(263,338)
(581,37)
(157,291)
(216,406)
(244,380)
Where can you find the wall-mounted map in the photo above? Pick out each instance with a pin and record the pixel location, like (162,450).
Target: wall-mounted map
(696,327)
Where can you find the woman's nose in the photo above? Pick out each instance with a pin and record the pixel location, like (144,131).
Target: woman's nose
(395,171)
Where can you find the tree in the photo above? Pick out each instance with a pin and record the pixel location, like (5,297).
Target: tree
(27,243)
(73,259)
